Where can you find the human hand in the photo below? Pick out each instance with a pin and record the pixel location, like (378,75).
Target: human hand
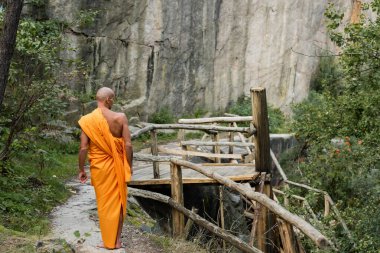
(82,176)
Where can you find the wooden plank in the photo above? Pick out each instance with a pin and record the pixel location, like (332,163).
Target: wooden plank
(260,121)
(154,148)
(215,120)
(195,153)
(178,219)
(195,180)
(219,143)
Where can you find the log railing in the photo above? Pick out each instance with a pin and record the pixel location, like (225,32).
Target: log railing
(264,223)
(177,200)
(328,202)
(213,129)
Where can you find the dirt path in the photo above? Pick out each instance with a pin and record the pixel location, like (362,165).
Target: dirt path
(76,222)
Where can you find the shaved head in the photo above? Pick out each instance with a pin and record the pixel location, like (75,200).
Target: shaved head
(104,93)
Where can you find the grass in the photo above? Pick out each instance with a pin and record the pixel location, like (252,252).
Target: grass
(35,185)
(176,245)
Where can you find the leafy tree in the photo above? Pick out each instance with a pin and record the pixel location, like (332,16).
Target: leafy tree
(33,93)
(340,126)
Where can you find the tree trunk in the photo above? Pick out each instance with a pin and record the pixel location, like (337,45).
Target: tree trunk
(8,40)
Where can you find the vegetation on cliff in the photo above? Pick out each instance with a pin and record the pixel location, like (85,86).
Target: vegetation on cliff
(340,128)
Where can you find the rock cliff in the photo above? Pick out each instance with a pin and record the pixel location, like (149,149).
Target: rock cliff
(189,54)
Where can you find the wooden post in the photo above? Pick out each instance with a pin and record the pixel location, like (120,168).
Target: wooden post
(189,224)
(221,208)
(327,206)
(181,135)
(216,148)
(231,139)
(264,234)
(287,236)
(154,149)
(261,123)
(178,219)
(185,157)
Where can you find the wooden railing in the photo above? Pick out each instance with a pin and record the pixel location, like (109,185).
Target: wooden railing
(265,207)
(178,212)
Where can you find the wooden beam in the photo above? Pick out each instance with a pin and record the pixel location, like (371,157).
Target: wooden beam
(203,180)
(260,121)
(278,166)
(235,241)
(195,153)
(151,158)
(221,211)
(320,240)
(189,224)
(259,222)
(327,206)
(231,139)
(215,120)
(242,138)
(178,220)
(192,127)
(287,236)
(218,143)
(228,164)
(216,148)
(154,149)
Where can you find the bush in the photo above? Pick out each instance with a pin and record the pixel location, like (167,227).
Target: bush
(163,116)
(340,128)
(277,120)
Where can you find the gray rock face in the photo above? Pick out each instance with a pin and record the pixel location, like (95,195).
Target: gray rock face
(189,54)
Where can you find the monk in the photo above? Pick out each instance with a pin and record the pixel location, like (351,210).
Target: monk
(106,139)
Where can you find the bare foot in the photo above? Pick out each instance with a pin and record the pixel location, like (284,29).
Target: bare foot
(102,246)
(117,246)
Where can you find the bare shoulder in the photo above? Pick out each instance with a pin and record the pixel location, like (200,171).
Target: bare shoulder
(121,118)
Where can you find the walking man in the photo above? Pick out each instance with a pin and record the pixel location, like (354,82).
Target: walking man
(106,139)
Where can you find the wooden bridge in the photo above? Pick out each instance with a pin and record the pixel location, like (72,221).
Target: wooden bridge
(231,163)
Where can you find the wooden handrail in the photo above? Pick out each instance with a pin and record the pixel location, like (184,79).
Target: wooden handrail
(319,239)
(216,120)
(217,143)
(248,130)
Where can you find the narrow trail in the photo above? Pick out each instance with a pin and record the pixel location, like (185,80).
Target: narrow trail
(76,222)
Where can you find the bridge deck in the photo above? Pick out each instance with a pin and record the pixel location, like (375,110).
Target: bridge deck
(143,173)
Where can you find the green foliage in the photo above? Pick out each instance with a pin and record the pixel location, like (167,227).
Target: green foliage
(87,17)
(33,94)
(28,194)
(340,128)
(163,116)
(36,3)
(277,120)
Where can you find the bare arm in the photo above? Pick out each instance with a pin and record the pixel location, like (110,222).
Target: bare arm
(84,142)
(128,143)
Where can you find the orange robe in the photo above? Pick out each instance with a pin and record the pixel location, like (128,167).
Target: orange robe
(109,173)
